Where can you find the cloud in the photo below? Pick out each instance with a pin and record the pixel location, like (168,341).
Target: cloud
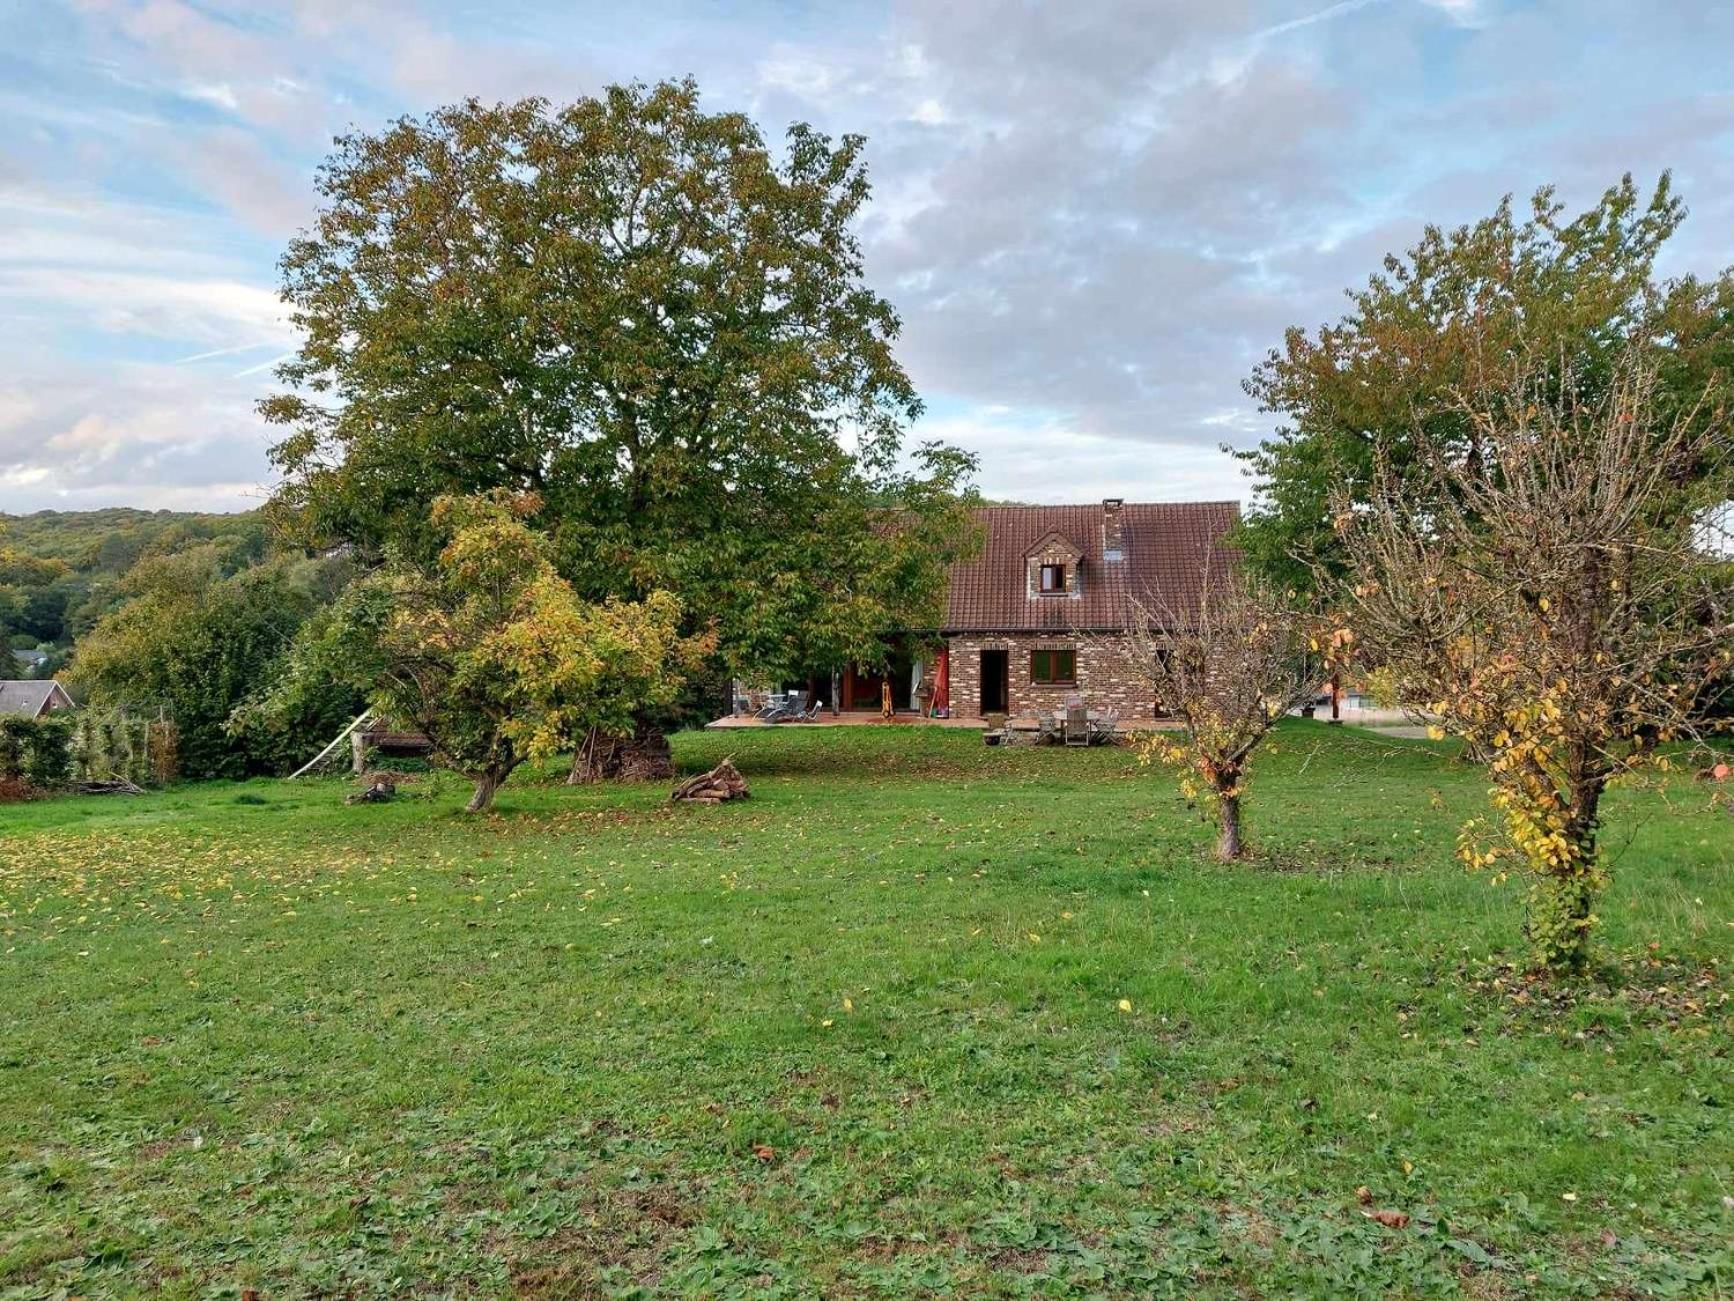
(160,307)
(229,166)
(1092,218)
(139,434)
(1020,457)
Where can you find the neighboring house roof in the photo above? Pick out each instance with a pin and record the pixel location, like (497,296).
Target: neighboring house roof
(32,699)
(1166,548)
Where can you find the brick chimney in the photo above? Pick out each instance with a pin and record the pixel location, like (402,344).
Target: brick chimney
(1113,539)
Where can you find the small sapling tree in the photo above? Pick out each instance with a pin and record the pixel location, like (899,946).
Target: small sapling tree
(1545,600)
(1227,667)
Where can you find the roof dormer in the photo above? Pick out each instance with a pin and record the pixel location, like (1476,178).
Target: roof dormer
(1053,567)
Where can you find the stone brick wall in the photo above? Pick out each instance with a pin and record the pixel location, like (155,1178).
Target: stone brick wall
(1103,677)
(1056,552)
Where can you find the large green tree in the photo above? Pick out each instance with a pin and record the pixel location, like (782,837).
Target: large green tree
(645,315)
(1432,336)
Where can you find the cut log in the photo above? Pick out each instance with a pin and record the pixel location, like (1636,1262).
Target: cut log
(723,782)
(380,788)
(116,786)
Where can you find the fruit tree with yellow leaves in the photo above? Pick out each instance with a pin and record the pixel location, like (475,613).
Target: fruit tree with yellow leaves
(491,653)
(1540,589)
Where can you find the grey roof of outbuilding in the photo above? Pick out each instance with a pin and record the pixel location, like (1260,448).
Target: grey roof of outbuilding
(25,696)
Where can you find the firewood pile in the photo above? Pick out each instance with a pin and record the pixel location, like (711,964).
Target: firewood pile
(723,782)
(643,756)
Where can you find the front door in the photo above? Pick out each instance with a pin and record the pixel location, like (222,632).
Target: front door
(994,679)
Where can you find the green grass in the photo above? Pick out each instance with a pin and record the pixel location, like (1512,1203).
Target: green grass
(858,1035)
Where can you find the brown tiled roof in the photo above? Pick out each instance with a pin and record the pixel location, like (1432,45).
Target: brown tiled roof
(1167,548)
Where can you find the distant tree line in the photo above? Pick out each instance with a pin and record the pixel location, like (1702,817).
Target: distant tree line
(61,571)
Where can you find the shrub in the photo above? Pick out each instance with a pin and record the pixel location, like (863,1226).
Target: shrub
(194,644)
(37,751)
(110,743)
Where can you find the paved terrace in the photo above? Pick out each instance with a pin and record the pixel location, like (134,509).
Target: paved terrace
(908,718)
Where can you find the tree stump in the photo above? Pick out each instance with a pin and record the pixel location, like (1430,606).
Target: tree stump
(380,788)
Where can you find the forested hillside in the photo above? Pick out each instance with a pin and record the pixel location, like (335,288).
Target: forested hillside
(61,571)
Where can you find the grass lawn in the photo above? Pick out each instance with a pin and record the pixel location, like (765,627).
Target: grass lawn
(861,1034)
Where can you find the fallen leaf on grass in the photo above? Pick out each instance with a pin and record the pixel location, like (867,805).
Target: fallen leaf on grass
(1390,1219)
(765,1152)
(1364,1195)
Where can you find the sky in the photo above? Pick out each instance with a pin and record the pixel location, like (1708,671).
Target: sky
(1094,216)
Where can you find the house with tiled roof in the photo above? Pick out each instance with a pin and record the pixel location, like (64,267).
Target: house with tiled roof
(31,698)
(1034,618)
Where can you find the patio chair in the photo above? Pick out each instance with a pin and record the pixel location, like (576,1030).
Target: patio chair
(1077,724)
(1102,729)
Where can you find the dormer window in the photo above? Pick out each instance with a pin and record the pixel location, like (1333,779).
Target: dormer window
(1054,567)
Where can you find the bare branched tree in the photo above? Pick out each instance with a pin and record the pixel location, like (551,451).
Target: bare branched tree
(1548,603)
(1226,668)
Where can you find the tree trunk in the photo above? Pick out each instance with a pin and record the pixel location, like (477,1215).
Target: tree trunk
(1561,926)
(1229,846)
(487,786)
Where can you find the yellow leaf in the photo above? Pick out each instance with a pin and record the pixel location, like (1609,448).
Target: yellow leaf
(848,1006)
(1125,1005)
